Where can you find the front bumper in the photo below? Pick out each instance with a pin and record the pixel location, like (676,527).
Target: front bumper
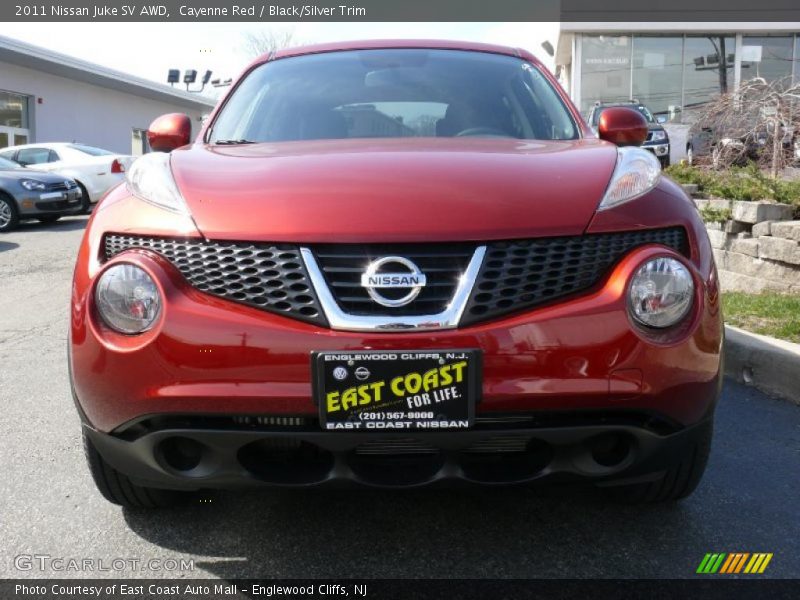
(211,356)
(659,150)
(188,454)
(36,204)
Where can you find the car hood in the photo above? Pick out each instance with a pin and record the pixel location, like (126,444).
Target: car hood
(394,190)
(43,176)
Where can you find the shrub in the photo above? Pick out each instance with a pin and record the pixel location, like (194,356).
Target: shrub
(738,183)
(715,215)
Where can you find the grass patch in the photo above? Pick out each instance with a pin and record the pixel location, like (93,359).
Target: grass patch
(768,313)
(738,183)
(715,215)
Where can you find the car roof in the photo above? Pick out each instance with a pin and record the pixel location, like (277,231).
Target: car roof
(400,44)
(42,145)
(620,103)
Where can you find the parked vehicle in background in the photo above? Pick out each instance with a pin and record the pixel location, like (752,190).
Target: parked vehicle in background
(29,195)
(657,140)
(94,169)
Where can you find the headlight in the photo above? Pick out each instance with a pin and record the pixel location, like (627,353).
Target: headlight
(150,178)
(33,185)
(127,299)
(661,292)
(659,135)
(637,172)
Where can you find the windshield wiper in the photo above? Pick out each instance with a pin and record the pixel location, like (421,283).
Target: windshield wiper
(232,142)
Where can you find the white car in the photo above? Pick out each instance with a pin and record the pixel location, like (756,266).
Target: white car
(94,169)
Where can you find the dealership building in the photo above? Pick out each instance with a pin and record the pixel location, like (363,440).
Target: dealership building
(672,68)
(51,97)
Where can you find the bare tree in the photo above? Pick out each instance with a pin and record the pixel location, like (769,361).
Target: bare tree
(267,41)
(757,123)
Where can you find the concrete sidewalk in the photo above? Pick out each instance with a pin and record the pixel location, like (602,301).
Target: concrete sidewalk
(770,365)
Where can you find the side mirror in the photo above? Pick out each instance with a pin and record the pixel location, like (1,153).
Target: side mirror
(622,126)
(661,119)
(168,132)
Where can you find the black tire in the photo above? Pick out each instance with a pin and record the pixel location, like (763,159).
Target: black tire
(664,160)
(118,489)
(86,202)
(48,218)
(678,482)
(9,216)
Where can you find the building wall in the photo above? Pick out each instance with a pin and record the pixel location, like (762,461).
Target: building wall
(75,111)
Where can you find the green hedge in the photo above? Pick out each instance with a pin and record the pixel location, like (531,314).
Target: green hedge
(738,183)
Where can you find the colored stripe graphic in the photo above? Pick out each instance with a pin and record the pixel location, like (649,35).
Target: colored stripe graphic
(732,558)
(741,562)
(711,563)
(734,563)
(758,563)
(730,564)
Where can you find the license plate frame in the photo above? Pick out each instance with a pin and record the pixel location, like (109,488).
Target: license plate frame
(365,393)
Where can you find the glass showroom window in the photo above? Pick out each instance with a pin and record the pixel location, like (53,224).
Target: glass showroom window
(657,74)
(796,59)
(708,70)
(769,57)
(605,69)
(13,119)
(13,110)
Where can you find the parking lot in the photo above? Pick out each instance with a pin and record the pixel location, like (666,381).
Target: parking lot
(746,503)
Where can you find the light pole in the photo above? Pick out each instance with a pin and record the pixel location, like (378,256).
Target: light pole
(189,77)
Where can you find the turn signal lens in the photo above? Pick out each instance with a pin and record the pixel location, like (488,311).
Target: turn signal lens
(661,293)
(150,178)
(637,172)
(128,299)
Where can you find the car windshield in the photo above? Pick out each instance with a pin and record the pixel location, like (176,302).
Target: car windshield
(91,150)
(393,93)
(6,164)
(646,113)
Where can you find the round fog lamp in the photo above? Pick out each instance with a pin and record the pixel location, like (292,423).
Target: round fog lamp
(661,292)
(127,299)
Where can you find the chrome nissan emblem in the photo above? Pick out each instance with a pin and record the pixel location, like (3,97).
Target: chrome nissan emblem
(381,274)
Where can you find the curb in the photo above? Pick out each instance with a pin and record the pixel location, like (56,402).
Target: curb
(770,365)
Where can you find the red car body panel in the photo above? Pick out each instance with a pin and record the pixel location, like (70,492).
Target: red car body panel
(390,190)
(211,356)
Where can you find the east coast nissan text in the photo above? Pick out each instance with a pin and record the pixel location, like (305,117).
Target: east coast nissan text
(395,264)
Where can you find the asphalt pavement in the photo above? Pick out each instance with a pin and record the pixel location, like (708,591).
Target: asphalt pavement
(747,502)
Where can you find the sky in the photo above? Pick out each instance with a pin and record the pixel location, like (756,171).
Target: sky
(150,50)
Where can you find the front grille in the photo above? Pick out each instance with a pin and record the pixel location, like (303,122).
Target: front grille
(515,275)
(442,264)
(60,186)
(488,421)
(271,277)
(520,274)
(390,446)
(499,445)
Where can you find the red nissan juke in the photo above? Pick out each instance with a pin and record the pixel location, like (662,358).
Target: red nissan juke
(395,264)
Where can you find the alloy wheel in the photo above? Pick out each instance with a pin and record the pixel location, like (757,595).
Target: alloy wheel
(5,213)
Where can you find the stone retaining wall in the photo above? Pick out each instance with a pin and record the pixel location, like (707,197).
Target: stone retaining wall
(758,248)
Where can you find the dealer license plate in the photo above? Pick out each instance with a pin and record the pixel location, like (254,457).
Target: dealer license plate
(386,390)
